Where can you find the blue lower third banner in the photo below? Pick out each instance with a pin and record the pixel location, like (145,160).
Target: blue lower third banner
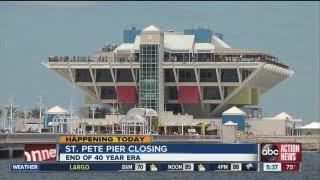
(105,167)
(159,152)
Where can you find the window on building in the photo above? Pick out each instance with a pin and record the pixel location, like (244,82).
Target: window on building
(229,75)
(169,75)
(212,107)
(149,76)
(103,75)
(211,93)
(208,75)
(83,75)
(172,93)
(204,57)
(108,93)
(245,74)
(187,75)
(166,56)
(124,75)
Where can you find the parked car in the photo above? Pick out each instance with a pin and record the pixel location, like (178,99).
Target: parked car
(154,133)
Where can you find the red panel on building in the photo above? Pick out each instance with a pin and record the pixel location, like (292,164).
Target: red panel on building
(127,94)
(188,94)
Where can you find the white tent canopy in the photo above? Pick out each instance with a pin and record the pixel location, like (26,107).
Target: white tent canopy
(313,125)
(234,111)
(142,112)
(57,110)
(134,118)
(124,47)
(151,28)
(283,115)
(178,42)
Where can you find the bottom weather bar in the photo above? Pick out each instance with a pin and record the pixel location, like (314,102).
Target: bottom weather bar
(76,167)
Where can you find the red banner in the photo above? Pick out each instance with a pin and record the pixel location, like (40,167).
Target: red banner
(188,94)
(127,94)
(40,152)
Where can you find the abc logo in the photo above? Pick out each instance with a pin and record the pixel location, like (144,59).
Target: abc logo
(269,152)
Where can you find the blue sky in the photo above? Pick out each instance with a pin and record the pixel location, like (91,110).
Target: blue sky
(32,31)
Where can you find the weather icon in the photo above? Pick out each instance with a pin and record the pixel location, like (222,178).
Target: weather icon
(249,166)
(153,167)
(201,167)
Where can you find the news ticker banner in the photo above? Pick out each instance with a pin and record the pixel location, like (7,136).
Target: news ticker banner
(47,152)
(124,152)
(158,152)
(139,139)
(276,157)
(105,167)
(284,153)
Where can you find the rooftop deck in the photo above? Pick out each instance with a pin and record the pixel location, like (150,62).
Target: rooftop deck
(214,57)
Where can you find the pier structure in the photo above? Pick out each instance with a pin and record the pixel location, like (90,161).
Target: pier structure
(191,72)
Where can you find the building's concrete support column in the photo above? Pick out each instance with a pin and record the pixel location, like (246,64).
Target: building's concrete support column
(133,75)
(114,79)
(176,78)
(71,74)
(94,82)
(239,74)
(197,74)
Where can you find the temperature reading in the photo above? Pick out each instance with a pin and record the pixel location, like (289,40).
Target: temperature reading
(289,166)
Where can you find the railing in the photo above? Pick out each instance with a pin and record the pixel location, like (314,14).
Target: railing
(79,59)
(255,58)
(231,58)
(90,59)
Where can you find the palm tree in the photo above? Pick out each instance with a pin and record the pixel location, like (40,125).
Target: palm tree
(14,112)
(21,114)
(247,127)
(35,113)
